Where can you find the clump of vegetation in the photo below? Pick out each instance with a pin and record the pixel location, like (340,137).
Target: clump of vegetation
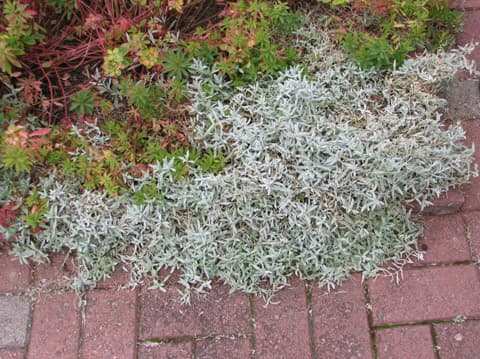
(315,182)
(224,138)
(381,34)
(138,95)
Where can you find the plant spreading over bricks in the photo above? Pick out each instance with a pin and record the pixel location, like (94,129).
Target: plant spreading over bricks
(304,171)
(319,167)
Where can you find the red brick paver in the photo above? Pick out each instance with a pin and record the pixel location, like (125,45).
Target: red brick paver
(465,4)
(460,340)
(472,190)
(55,274)
(472,131)
(224,348)
(55,327)
(14,276)
(14,317)
(426,294)
(119,277)
(444,240)
(340,321)
(110,324)
(167,350)
(218,313)
(287,314)
(447,203)
(12,353)
(405,342)
(470,33)
(473,225)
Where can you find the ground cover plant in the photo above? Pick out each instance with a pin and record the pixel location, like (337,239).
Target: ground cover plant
(244,140)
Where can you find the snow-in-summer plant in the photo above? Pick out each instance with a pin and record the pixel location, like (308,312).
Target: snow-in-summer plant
(322,160)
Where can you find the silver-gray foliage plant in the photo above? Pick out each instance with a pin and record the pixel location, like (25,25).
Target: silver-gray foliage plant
(320,167)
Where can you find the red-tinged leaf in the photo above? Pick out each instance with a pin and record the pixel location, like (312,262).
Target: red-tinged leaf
(3,221)
(7,214)
(227,39)
(31,12)
(37,230)
(124,25)
(93,22)
(37,85)
(16,74)
(32,89)
(224,13)
(41,132)
(66,123)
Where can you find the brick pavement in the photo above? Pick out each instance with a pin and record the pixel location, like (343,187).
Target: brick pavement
(433,312)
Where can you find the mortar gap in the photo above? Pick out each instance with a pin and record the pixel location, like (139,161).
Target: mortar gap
(436,348)
(137,321)
(252,325)
(311,326)
(82,297)
(369,310)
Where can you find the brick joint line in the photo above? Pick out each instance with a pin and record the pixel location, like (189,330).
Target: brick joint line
(82,320)
(368,308)
(28,334)
(468,235)
(423,322)
(191,338)
(422,265)
(311,326)
(251,319)
(138,312)
(194,349)
(433,333)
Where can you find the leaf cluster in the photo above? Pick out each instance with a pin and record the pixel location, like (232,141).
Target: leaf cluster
(20,32)
(381,34)
(21,149)
(249,41)
(319,169)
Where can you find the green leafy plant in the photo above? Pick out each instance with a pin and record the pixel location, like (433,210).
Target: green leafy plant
(251,40)
(116,60)
(66,7)
(319,168)
(21,148)
(211,163)
(380,34)
(377,52)
(146,100)
(18,158)
(35,207)
(176,64)
(21,31)
(335,2)
(83,102)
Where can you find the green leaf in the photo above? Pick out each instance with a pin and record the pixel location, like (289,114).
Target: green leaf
(18,158)
(83,102)
(177,64)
